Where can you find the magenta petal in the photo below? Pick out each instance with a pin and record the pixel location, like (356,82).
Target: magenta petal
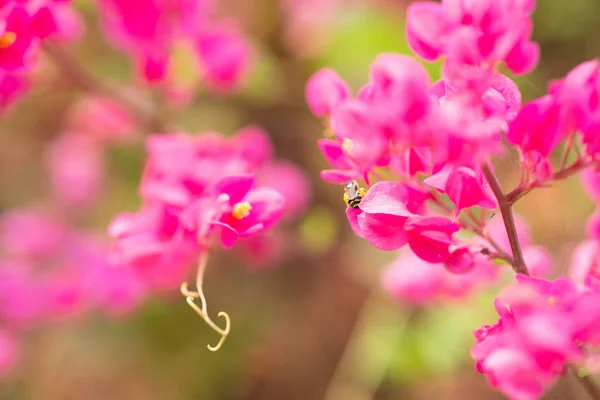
(352,214)
(228,236)
(339,177)
(325,90)
(334,154)
(425,25)
(385,232)
(386,198)
(439,179)
(267,206)
(236,187)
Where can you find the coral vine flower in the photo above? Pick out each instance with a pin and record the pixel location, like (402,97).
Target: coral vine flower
(240,210)
(464,187)
(474,33)
(325,90)
(540,328)
(17,38)
(413,280)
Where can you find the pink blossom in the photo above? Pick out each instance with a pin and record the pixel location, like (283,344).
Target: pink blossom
(325,90)
(17,307)
(102,119)
(384,216)
(590,177)
(536,127)
(475,34)
(17,39)
(30,233)
(241,210)
(413,280)
(537,334)
(12,87)
(585,262)
(464,187)
(291,182)
(150,30)
(76,168)
(578,96)
(345,169)
(224,56)
(147,241)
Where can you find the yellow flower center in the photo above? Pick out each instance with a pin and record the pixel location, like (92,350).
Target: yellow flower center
(552,300)
(7,39)
(241,210)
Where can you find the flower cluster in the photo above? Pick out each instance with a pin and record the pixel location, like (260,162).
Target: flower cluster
(543,326)
(423,150)
(25,26)
(152,31)
(50,271)
(200,189)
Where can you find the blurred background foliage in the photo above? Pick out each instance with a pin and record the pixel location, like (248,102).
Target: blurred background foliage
(291,324)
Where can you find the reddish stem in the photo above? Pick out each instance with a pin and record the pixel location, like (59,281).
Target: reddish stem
(509,221)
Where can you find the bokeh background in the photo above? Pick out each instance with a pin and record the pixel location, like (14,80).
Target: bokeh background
(317,326)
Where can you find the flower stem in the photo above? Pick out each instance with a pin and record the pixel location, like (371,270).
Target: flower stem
(519,265)
(202,311)
(509,221)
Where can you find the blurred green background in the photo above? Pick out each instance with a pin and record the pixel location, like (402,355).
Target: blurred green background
(292,324)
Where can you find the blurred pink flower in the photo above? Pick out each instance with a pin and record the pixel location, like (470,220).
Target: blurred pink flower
(541,325)
(413,280)
(17,39)
(325,90)
(30,233)
(475,34)
(291,182)
(101,119)
(76,167)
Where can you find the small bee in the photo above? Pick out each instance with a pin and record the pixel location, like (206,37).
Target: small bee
(354,194)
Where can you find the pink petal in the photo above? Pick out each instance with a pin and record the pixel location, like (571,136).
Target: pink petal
(386,198)
(236,187)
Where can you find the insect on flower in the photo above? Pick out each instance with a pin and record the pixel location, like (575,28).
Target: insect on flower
(354,194)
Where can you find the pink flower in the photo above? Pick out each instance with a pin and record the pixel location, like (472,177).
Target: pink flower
(384,216)
(585,262)
(12,87)
(474,34)
(536,127)
(538,333)
(240,210)
(30,233)
(590,177)
(17,307)
(224,56)
(76,168)
(17,39)
(148,242)
(464,187)
(102,119)
(325,90)
(578,96)
(431,237)
(413,280)
(345,168)
(291,182)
